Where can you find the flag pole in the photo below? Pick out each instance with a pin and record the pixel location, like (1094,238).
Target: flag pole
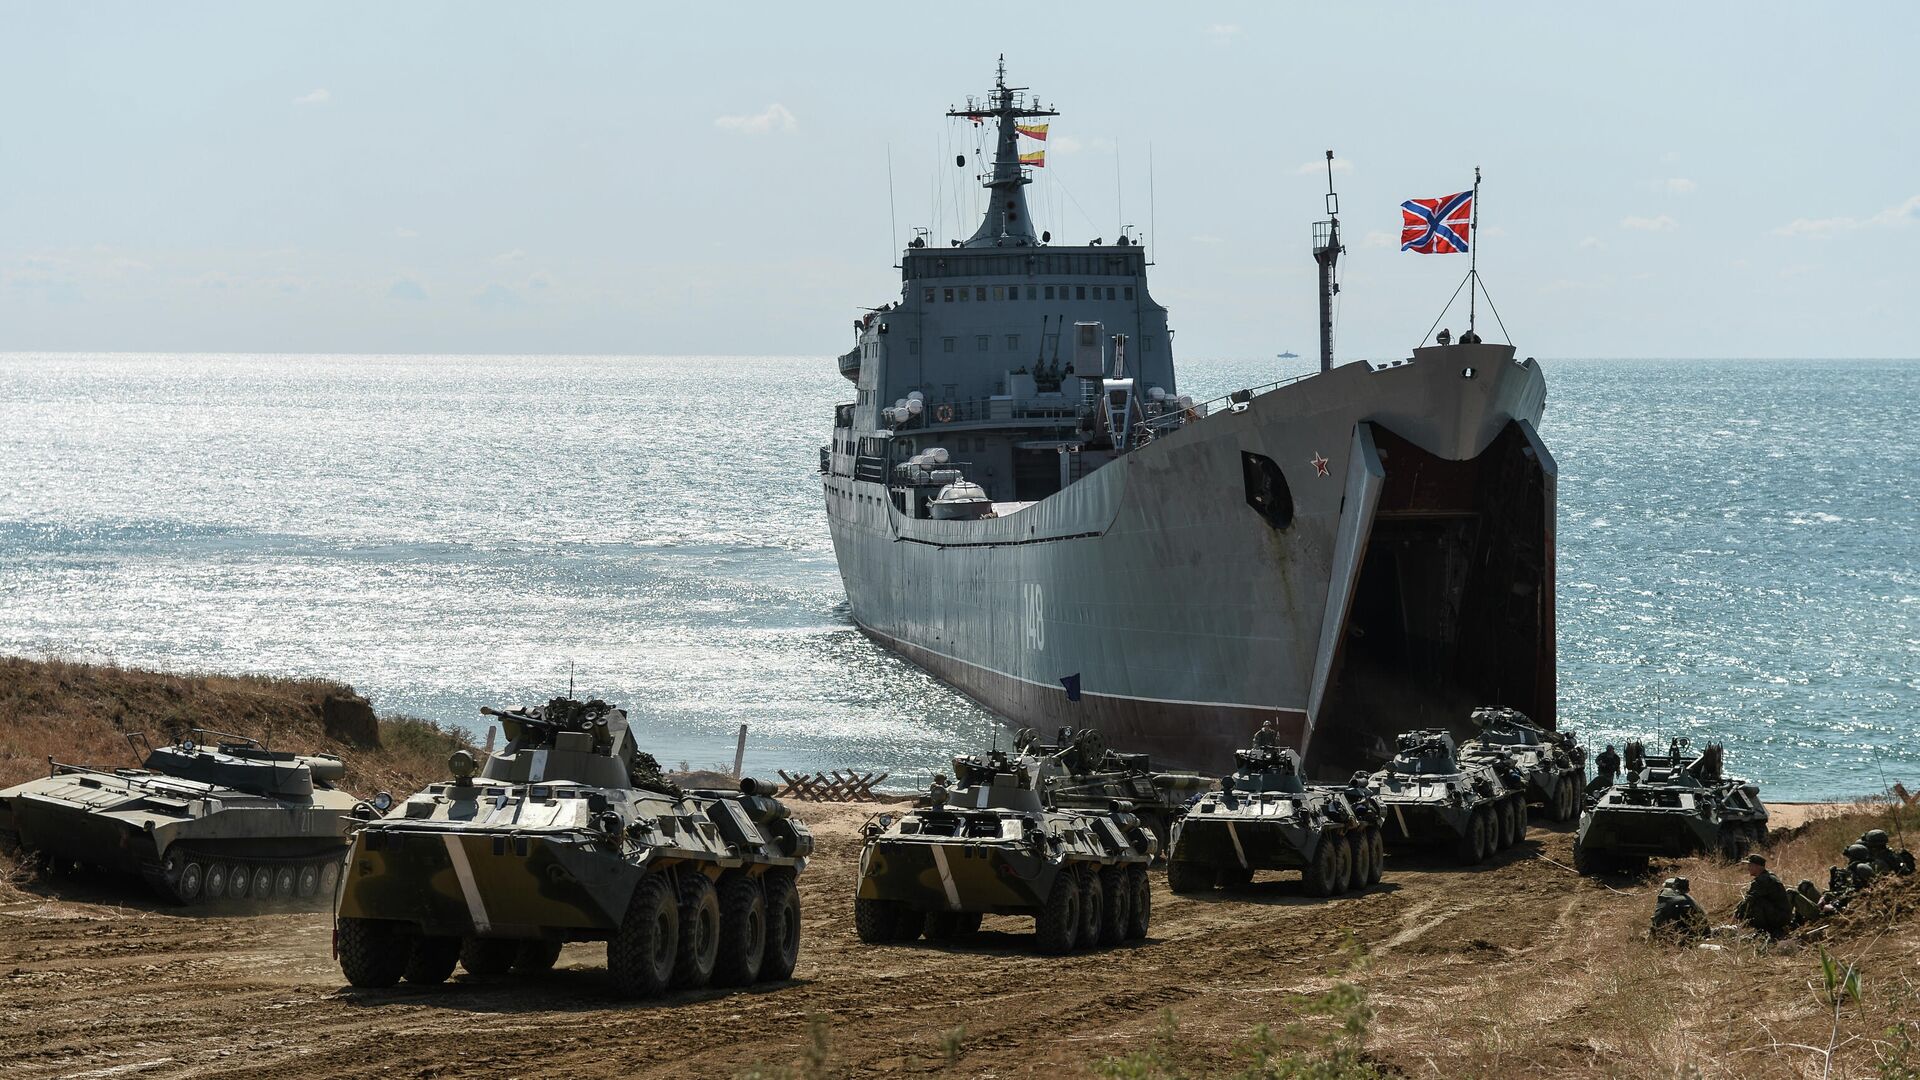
(1473,251)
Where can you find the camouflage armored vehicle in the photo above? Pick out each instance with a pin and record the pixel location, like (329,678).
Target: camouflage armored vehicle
(1430,797)
(571,834)
(1551,765)
(1082,773)
(230,821)
(993,845)
(1673,805)
(1266,817)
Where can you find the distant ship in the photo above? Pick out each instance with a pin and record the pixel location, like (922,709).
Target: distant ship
(1024,503)
(1289,356)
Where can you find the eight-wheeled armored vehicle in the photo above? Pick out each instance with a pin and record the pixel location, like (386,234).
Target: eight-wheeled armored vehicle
(993,845)
(571,834)
(1678,804)
(209,817)
(1429,796)
(1551,765)
(1082,773)
(1266,817)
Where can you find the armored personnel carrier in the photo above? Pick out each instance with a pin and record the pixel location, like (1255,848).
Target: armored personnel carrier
(571,834)
(1081,773)
(994,845)
(1430,797)
(230,820)
(1673,805)
(1551,765)
(1266,817)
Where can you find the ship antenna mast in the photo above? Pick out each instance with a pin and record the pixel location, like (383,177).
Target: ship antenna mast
(1473,252)
(1326,251)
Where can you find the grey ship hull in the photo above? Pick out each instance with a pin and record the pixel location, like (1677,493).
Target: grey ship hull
(1413,581)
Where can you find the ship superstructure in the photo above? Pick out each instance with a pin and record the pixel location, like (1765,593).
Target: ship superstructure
(1023,502)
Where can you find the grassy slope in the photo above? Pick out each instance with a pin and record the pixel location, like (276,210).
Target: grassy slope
(81,713)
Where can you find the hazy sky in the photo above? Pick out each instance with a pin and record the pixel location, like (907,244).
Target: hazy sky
(1661,180)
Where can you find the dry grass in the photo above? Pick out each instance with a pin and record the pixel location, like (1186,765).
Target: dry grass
(82,713)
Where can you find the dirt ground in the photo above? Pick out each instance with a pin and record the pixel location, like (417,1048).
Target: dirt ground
(1517,968)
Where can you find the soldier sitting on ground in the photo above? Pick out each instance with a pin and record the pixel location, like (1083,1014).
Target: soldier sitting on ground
(1765,907)
(1676,914)
(1881,854)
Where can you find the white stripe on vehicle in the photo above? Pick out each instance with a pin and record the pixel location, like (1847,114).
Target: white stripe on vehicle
(1238,851)
(946,877)
(463,870)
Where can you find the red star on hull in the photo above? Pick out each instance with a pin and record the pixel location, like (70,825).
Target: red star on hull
(1320,465)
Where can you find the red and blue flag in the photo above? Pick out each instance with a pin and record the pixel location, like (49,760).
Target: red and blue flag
(1436,226)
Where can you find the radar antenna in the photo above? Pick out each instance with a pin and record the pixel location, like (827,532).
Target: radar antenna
(1006,223)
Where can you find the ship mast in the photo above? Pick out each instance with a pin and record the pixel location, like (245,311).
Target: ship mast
(1327,250)
(1007,223)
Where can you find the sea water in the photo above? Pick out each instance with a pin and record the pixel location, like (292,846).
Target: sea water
(1739,547)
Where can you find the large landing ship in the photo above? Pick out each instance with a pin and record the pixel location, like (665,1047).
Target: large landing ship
(1024,503)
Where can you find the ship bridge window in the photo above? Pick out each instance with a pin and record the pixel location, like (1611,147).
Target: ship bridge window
(999,292)
(966,295)
(1049,292)
(947,343)
(1109,292)
(1013,342)
(1080,292)
(982,343)
(1013,292)
(926,296)
(1267,490)
(979,292)
(949,297)
(1128,293)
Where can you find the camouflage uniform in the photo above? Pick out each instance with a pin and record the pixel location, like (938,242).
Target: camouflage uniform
(1765,907)
(1808,905)
(1676,914)
(1606,766)
(1880,853)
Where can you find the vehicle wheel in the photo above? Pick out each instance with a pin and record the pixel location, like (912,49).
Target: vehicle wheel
(1360,858)
(1586,863)
(307,885)
(534,957)
(641,953)
(878,921)
(239,881)
(1377,843)
(783,927)
(743,930)
(1512,817)
(1564,805)
(487,957)
(1233,877)
(1140,911)
(1343,859)
(262,884)
(431,959)
(284,883)
(947,925)
(1057,924)
(372,954)
(1092,907)
(699,946)
(1117,894)
(214,885)
(1320,875)
(1185,877)
(329,877)
(191,882)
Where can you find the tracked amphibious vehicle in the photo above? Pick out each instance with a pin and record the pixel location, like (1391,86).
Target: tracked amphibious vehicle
(1266,817)
(209,817)
(993,845)
(1669,806)
(571,834)
(1429,796)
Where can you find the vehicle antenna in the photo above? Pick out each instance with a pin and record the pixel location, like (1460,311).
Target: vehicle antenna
(569,678)
(893,217)
(1893,812)
(1153,214)
(1119,198)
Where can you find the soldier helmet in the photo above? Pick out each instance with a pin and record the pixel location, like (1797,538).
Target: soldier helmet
(1875,838)
(1858,852)
(1756,859)
(1679,884)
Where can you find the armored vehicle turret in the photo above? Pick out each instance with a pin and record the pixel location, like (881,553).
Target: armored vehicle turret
(1266,817)
(994,845)
(1429,796)
(1673,805)
(571,834)
(1551,765)
(209,817)
(1080,772)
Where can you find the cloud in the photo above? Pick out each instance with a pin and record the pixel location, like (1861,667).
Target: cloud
(1223,33)
(776,118)
(316,97)
(1592,242)
(507,257)
(1897,216)
(1663,223)
(1319,168)
(1680,185)
(406,289)
(405,233)
(1379,238)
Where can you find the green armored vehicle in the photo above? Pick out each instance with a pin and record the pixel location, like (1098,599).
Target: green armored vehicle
(231,821)
(1082,773)
(1431,798)
(1551,765)
(993,845)
(571,834)
(1266,817)
(1670,806)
